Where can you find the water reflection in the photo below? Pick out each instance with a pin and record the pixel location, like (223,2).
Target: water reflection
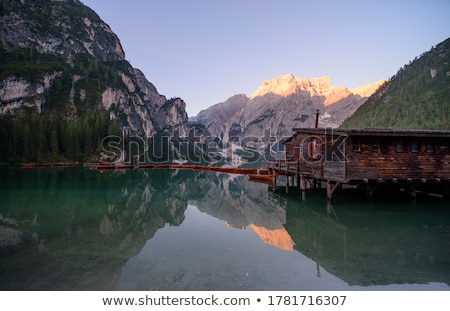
(88,225)
(368,244)
(76,229)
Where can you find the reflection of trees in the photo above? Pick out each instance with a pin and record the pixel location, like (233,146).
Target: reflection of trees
(364,245)
(74,229)
(89,224)
(77,228)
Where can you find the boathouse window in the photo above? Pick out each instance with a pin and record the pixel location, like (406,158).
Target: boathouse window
(356,146)
(375,145)
(414,146)
(399,146)
(429,147)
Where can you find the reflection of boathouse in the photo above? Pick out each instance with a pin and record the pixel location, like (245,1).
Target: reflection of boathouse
(417,159)
(371,246)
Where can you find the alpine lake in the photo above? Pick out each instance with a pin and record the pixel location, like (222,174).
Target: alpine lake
(82,229)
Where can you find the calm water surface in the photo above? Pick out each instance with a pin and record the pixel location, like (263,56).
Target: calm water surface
(77,229)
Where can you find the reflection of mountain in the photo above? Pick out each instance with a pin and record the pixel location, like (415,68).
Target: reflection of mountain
(244,204)
(386,244)
(74,229)
(240,203)
(87,227)
(277,237)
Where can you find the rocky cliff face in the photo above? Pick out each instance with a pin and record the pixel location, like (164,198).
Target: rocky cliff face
(66,43)
(62,27)
(281,104)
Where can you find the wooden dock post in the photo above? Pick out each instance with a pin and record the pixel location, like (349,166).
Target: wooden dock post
(412,190)
(331,187)
(303,187)
(287,184)
(371,188)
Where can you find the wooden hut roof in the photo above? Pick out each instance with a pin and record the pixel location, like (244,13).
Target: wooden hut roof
(378,132)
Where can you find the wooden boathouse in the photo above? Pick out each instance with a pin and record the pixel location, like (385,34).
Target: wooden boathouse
(415,159)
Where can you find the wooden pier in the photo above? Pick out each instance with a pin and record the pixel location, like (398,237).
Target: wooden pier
(417,160)
(49,164)
(255,174)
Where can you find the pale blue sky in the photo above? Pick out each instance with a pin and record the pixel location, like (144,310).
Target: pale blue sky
(205,50)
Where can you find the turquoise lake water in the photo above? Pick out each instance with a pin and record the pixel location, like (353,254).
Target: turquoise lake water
(81,229)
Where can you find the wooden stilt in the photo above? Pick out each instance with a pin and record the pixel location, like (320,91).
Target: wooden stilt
(331,187)
(412,191)
(369,191)
(287,184)
(371,188)
(303,187)
(329,191)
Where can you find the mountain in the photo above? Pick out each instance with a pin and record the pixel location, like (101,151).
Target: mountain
(64,82)
(281,104)
(244,127)
(416,97)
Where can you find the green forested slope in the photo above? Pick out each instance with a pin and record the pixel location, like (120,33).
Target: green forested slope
(59,132)
(65,85)
(416,97)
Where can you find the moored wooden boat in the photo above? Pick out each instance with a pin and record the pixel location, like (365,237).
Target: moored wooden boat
(263,171)
(125,167)
(235,170)
(59,164)
(246,171)
(223,169)
(42,165)
(90,164)
(145,166)
(105,166)
(72,164)
(204,168)
(267,179)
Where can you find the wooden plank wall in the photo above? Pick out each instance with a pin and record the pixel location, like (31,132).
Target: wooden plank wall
(334,158)
(306,164)
(387,163)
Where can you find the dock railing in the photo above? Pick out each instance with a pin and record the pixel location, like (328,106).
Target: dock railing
(285,166)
